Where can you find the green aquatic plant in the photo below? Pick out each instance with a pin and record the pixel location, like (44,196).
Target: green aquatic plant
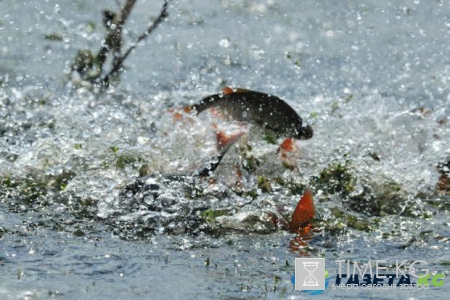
(249,161)
(34,190)
(296,188)
(210,215)
(383,197)
(264,184)
(372,196)
(3,231)
(124,159)
(336,178)
(270,137)
(339,220)
(250,193)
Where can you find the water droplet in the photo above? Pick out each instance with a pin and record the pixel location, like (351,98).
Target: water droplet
(256,52)
(225,42)
(97,130)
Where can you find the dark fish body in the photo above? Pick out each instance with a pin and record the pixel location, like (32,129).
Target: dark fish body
(262,109)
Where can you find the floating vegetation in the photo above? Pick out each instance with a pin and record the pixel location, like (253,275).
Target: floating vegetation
(249,161)
(264,184)
(344,219)
(53,37)
(32,188)
(210,215)
(270,137)
(336,178)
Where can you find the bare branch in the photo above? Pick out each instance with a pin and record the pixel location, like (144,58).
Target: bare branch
(162,15)
(92,69)
(125,12)
(118,62)
(116,33)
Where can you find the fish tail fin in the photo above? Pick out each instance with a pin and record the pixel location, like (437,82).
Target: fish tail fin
(304,211)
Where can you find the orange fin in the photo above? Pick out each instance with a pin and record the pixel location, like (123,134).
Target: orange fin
(187,109)
(225,141)
(304,211)
(227,90)
(177,116)
(288,145)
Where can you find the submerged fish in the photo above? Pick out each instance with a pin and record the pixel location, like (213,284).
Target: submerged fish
(224,143)
(154,183)
(259,108)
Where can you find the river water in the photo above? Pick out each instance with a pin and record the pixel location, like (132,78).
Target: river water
(370,77)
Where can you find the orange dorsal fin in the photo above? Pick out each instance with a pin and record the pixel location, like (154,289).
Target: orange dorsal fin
(227,90)
(304,211)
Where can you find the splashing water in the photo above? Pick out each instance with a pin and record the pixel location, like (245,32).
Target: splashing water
(377,99)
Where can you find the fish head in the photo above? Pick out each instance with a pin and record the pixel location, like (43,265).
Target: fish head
(303,132)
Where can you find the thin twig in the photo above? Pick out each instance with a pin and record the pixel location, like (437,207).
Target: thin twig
(114,25)
(125,12)
(117,32)
(162,15)
(117,64)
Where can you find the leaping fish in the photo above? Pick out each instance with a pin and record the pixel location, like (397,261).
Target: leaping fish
(267,111)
